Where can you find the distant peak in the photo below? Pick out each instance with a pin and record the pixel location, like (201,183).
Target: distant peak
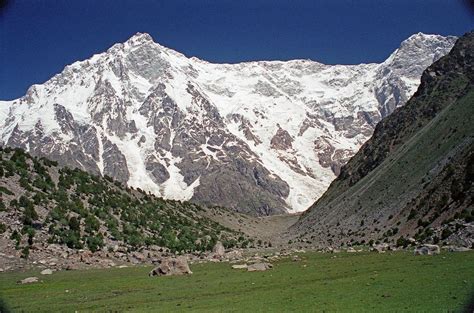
(432,37)
(140,38)
(421,35)
(426,40)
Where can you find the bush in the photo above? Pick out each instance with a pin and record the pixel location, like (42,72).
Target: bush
(402,242)
(412,215)
(17,237)
(91,224)
(446,233)
(29,213)
(94,243)
(25,252)
(30,232)
(72,240)
(74,224)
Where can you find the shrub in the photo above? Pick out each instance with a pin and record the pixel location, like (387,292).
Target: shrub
(94,243)
(72,240)
(402,242)
(25,252)
(412,215)
(74,224)
(446,233)
(91,224)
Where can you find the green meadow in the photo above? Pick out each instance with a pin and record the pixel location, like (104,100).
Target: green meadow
(357,282)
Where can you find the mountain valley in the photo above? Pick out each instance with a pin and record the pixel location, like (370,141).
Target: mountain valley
(260,138)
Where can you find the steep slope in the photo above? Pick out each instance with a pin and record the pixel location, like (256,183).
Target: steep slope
(47,209)
(416,173)
(257,137)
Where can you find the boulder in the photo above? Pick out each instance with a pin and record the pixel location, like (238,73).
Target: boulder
(296,258)
(71,267)
(411,240)
(259,267)
(28,280)
(171,266)
(140,257)
(426,250)
(46,272)
(458,249)
(351,250)
(234,255)
(219,249)
(239,266)
(381,248)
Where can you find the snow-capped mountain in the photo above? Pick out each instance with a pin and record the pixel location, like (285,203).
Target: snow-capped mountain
(260,137)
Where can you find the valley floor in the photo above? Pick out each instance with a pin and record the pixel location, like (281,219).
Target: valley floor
(355,282)
(271,229)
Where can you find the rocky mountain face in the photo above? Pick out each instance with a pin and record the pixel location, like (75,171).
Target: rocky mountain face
(258,137)
(415,176)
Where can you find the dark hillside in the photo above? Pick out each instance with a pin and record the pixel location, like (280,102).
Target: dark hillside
(414,177)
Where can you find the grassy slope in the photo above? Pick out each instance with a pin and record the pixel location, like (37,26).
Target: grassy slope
(349,282)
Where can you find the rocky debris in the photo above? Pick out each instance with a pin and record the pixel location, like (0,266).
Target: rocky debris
(46,272)
(351,250)
(28,280)
(456,249)
(296,258)
(233,255)
(171,266)
(71,267)
(259,267)
(381,248)
(239,266)
(412,240)
(218,249)
(427,249)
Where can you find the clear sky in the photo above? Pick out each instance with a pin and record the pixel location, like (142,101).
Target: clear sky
(39,37)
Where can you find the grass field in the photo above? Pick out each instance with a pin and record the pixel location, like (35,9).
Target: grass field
(391,282)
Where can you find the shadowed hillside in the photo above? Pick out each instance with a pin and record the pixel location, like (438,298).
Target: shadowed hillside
(414,177)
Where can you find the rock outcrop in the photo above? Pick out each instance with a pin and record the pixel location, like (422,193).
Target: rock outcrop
(171,267)
(28,280)
(259,267)
(427,250)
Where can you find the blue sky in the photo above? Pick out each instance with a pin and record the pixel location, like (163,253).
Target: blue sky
(39,37)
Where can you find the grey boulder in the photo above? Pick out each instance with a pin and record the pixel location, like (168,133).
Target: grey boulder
(427,249)
(171,266)
(259,267)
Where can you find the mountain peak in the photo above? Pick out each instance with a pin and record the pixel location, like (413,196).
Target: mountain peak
(140,38)
(418,46)
(422,38)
